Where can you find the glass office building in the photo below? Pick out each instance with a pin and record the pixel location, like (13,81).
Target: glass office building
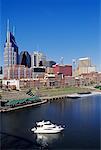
(25,59)
(10,51)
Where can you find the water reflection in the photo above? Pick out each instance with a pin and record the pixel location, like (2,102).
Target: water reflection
(46,139)
(81,117)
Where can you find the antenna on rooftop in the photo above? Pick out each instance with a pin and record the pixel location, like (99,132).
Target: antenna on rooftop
(61,60)
(37,47)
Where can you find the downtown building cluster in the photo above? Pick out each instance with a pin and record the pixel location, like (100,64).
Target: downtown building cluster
(26,66)
(15,64)
(34,69)
(29,67)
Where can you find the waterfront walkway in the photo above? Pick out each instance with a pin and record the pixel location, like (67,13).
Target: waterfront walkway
(75,95)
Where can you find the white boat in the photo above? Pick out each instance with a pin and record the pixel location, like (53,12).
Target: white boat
(46,127)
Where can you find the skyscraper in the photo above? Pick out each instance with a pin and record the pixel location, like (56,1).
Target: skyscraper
(25,59)
(10,53)
(38,59)
(10,50)
(84,62)
(84,66)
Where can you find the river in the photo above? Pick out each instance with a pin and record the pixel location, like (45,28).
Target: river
(81,118)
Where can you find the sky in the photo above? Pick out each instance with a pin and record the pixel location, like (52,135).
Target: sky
(59,28)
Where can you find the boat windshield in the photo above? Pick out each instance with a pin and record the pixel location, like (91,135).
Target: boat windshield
(39,125)
(47,123)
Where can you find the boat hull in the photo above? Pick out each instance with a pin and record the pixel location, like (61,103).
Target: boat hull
(45,131)
(46,127)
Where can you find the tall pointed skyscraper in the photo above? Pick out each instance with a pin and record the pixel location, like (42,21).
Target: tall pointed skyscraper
(10,50)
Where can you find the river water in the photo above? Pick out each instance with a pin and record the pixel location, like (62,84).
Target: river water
(81,118)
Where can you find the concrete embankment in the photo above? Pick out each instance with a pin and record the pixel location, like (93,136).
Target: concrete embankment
(54,97)
(75,95)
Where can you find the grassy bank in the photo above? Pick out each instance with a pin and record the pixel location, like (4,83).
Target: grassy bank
(6,95)
(59,91)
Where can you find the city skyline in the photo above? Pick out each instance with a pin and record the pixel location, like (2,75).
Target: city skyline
(68,29)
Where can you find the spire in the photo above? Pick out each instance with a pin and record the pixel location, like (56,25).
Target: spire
(7,25)
(8,32)
(13,30)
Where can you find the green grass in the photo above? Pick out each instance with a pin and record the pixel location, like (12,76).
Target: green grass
(60,91)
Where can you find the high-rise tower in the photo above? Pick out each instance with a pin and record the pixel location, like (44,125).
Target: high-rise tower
(10,49)
(38,59)
(25,59)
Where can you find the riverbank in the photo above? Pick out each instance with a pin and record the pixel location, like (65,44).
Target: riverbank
(74,95)
(80,117)
(44,96)
(50,98)
(6,109)
(9,95)
(61,91)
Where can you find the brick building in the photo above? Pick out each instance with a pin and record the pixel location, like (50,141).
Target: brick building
(17,72)
(66,70)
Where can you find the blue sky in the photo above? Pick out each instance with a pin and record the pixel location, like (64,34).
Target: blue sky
(59,28)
